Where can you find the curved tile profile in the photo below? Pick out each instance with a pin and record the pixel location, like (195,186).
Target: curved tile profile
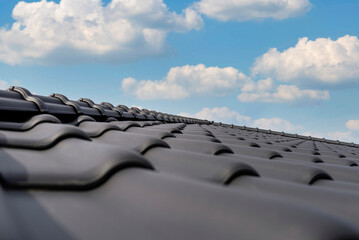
(172,127)
(341,173)
(198,166)
(26,94)
(339,161)
(197,137)
(134,141)
(124,125)
(206,147)
(137,204)
(42,136)
(150,132)
(254,152)
(67,102)
(319,175)
(298,172)
(165,127)
(113,108)
(200,133)
(146,123)
(93,105)
(71,164)
(301,157)
(96,129)
(238,172)
(31,123)
(239,142)
(82,118)
(111,119)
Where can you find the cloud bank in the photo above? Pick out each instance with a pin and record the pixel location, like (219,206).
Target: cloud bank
(199,80)
(226,115)
(86,30)
(322,60)
(244,10)
(265,92)
(185,81)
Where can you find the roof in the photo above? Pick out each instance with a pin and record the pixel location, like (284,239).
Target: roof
(80,170)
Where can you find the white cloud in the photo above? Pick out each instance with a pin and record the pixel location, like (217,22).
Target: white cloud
(342,136)
(277,124)
(226,115)
(323,60)
(86,30)
(263,92)
(316,134)
(220,114)
(347,136)
(185,81)
(261,86)
(353,125)
(243,10)
(3,84)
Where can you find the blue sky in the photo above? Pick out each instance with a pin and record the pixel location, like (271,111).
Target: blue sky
(290,65)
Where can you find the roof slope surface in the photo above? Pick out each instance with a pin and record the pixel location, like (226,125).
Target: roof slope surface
(80,170)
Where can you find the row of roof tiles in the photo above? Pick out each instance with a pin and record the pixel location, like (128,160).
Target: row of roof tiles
(201,181)
(90,177)
(20,99)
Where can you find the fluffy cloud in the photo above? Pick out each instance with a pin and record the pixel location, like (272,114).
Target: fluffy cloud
(323,60)
(260,86)
(347,136)
(222,114)
(277,124)
(88,30)
(243,10)
(353,125)
(283,93)
(342,136)
(184,81)
(225,115)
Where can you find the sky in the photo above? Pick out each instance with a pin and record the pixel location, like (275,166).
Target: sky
(285,65)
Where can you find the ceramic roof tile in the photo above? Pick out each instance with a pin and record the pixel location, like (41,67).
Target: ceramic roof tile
(65,165)
(74,169)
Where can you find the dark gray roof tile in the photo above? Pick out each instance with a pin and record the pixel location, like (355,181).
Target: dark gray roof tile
(24,126)
(95,129)
(71,164)
(138,142)
(139,204)
(80,170)
(343,204)
(199,166)
(254,152)
(42,136)
(206,147)
(150,132)
(284,170)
